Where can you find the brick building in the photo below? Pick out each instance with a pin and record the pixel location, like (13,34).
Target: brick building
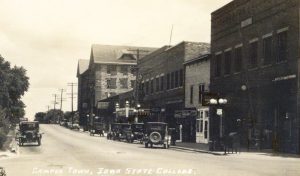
(197,79)
(109,72)
(255,65)
(161,80)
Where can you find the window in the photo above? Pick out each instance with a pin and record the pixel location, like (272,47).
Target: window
(168,81)
(282,46)
(157,84)
(132,82)
(238,59)
(191,94)
(112,69)
(141,88)
(253,55)
(111,83)
(124,70)
(201,122)
(218,62)
(227,62)
(124,83)
(172,80)
(181,78)
(176,79)
(267,50)
(147,88)
(201,91)
(151,86)
(162,83)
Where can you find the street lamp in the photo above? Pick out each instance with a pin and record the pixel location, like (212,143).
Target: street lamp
(138,106)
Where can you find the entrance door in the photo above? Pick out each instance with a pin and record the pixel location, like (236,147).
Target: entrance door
(202,126)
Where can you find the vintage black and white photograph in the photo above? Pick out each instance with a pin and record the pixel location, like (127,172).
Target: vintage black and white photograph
(149,87)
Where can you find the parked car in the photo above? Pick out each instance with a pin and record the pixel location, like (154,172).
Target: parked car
(156,133)
(125,128)
(97,128)
(64,123)
(136,133)
(75,126)
(29,132)
(69,125)
(2,172)
(113,132)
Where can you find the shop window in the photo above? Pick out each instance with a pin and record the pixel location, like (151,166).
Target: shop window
(152,86)
(124,70)
(147,87)
(176,79)
(168,81)
(132,82)
(181,77)
(172,80)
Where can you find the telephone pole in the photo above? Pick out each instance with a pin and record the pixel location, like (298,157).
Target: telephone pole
(138,56)
(61,102)
(55,101)
(72,98)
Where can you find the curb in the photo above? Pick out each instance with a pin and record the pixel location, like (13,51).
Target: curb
(197,150)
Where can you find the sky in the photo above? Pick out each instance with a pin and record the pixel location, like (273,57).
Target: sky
(47,37)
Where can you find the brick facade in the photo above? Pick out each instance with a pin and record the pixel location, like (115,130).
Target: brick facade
(255,51)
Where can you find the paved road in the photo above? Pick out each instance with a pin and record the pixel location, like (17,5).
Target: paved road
(65,152)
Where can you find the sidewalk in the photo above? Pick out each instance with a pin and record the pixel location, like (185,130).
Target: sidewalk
(203,148)
(195,147)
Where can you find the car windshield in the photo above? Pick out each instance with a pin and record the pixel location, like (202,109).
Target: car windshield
(29,126)
(158,127)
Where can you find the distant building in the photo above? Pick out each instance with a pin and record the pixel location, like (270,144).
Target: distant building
(83,88)
(197,79)
(111,72)
(255,66)
(161,81)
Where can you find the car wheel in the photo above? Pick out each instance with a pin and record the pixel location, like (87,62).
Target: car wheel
(155,137)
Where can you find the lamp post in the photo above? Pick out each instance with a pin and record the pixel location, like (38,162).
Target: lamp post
(220,102)
(136,119)
(117,109)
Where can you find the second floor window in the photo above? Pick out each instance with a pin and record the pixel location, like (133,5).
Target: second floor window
(267,50)
(157,84)
(172,80)
(253,55)
(181,77)
(238,59)
(191,95)
(162,83)
(282,46)
(124,83)
(112,69)
(147,88)
(168,81)
(218,63)
(201,91)
(124,70)
(152,86)
(227,62)
(177,79)
(111,83)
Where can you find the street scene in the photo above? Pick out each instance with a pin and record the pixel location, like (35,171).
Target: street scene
(136,87)
(67,152)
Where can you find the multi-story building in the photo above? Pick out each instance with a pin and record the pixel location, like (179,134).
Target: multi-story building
(110,71)
(161,79)
(83,97)
(255,66)
(197,79)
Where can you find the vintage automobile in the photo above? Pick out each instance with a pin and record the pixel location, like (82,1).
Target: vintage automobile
(75,126)
(97,128)
(125,128)
(136,133)
(29,132)
(156,133)
(114,131)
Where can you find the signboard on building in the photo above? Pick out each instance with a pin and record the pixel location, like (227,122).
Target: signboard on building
(185,113)
(102,105)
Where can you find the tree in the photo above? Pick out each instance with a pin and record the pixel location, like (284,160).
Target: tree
(40,116)
(53,116)
(13,84)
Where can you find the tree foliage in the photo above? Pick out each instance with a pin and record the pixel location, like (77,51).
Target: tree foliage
(13,84)
(40,116)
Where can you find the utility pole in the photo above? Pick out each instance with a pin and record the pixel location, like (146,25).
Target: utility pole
(72,98)
(61,102)
(55,101)
(138,53)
